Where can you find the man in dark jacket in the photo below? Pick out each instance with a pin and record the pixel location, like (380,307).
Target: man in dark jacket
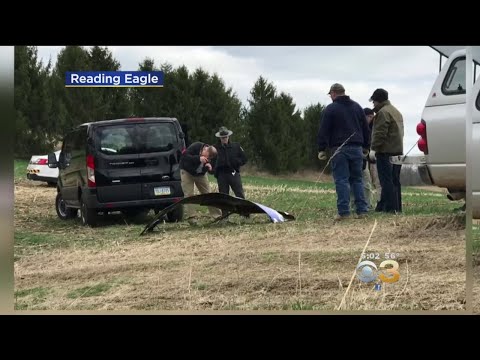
(194,165)
(344,123)
(227,164)
(387,140)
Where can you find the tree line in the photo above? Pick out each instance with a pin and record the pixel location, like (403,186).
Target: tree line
(276,136)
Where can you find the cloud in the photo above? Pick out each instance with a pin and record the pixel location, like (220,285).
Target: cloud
(306,72)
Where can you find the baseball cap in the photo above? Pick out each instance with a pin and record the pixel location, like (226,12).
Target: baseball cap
(336,87)
(379,95)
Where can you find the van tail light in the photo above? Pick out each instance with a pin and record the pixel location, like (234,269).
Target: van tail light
(183,150)
(91,171)
(422,142)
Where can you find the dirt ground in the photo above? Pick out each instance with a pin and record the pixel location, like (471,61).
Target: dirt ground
(241,265)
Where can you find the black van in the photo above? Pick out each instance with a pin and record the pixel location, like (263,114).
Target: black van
(128,165)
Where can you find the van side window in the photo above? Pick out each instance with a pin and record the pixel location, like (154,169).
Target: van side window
(455,81)
(78,142)
(477,103)
(67,148)
(117,140)
(80,138)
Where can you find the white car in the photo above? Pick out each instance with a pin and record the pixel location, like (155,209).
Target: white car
(38,170)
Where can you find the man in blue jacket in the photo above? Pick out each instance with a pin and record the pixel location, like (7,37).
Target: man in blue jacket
(344,131)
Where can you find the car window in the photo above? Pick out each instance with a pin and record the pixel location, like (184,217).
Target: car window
(157,137)
(117,140)
(78,142)
(477,103)
(455,81)
(80,137)
(67,148)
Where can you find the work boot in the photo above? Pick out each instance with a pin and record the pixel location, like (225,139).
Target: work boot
(339,217)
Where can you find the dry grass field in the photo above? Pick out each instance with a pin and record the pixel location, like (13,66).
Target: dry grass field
(243,264)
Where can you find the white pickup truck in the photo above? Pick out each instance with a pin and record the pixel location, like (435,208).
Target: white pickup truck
(442,128)
(476,152)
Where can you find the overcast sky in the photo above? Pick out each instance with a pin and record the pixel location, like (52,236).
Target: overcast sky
(306,72)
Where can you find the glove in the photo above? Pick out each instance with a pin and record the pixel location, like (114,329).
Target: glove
(371,156)
(322,155)
(365,153)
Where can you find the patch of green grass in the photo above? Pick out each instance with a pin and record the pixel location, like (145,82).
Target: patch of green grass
(299,305)
(20,169)
(311,206)
(25,238)
(476,239)
(88,291)
(437,207)
(198,285)
(27,298)
(302,184)
(106,236)
(38,292)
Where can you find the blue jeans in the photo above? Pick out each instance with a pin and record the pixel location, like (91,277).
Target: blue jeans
(389,176)
(347,169)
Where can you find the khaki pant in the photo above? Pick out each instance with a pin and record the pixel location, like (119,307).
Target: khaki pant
(203,186)
(368,190)
(375,180)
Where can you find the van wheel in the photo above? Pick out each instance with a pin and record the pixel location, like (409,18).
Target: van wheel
(88,215)
(175,215)
(63,211)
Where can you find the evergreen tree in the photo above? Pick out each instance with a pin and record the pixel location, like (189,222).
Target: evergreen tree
(33,103)
(313,116)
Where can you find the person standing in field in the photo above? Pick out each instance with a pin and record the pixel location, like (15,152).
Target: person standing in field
(344,131)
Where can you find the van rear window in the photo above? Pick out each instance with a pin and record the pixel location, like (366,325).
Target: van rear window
(137,138)
(117,140)
(157,137)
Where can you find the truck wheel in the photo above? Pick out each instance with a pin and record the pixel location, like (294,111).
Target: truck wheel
(63,211)
(88,215)
(175,215)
